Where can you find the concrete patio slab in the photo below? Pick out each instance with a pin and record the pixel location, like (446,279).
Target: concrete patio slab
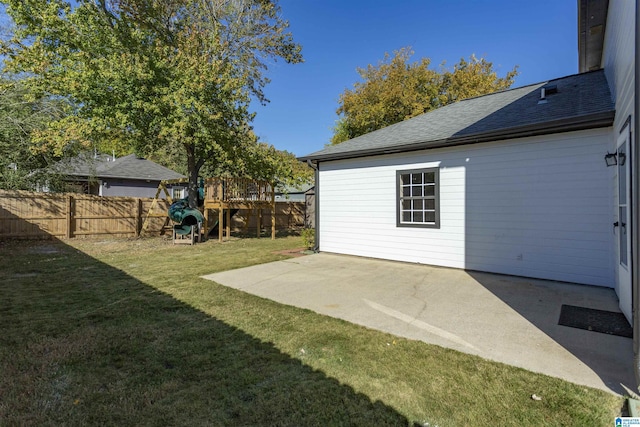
(507,319)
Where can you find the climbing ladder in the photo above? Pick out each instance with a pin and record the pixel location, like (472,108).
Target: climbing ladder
(154,210)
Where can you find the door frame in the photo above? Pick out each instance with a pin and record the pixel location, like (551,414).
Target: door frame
(624,223)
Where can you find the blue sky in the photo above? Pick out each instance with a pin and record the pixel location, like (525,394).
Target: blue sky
(337,36)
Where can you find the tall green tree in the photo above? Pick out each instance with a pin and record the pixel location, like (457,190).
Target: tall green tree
(259,161)
(280,167)
(174,75)
(263,161)
(21,115)
(397,89)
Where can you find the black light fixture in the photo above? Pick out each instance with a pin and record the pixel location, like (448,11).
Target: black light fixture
(611,159)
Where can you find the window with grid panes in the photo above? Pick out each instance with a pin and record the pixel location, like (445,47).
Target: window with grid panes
(418,198)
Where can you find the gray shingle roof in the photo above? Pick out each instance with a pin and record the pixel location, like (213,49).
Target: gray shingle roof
(582,101)
(127,167)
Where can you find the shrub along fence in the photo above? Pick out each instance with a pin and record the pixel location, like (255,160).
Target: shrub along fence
(28,215)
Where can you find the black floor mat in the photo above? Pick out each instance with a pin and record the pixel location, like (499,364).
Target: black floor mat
(606,322)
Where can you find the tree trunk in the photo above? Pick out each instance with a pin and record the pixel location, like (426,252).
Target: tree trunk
(193,169)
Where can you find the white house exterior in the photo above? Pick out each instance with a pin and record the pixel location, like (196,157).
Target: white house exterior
(537,207)
(513,183)
(618,61)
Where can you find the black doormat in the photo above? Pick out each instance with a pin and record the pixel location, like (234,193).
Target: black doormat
(606,322)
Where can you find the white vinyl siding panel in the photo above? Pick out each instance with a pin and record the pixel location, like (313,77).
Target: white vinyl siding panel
(618,58)
(129,188)
(618,61)
(537,207)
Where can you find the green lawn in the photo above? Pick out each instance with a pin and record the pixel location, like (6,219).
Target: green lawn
(124,332)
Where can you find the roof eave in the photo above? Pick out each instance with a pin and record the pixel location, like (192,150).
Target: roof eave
(592,22)
(132,178)
(138,178)
(592,121)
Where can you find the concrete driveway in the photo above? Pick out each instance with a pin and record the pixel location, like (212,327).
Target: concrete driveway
(503,318)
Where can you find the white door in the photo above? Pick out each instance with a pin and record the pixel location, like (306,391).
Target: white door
(623,225)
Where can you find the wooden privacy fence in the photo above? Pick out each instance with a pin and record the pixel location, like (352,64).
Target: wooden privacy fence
(27,215)
(40,215)
(288,215)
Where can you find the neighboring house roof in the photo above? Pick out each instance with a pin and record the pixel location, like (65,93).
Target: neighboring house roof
(127,167)
(582,101)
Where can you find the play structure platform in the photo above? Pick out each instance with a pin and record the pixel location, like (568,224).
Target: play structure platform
(225,195)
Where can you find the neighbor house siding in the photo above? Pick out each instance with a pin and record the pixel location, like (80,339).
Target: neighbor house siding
(128,188)
(291,197)
(537,207)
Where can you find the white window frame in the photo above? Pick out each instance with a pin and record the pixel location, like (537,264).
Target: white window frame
(417,208)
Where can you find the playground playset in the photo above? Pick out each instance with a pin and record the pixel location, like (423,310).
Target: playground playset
(224,196)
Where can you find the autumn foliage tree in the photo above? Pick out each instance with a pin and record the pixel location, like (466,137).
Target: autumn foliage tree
(397,89)
(146,75)
(21,115)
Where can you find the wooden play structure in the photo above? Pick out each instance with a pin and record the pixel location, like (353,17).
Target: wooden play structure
(221,197)
(226,194)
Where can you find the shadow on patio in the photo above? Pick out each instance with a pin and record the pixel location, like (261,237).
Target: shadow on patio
(539,302)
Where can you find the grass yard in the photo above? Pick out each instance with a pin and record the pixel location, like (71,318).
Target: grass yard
(124,332)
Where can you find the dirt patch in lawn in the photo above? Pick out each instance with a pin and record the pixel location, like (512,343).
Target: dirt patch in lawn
(297,252)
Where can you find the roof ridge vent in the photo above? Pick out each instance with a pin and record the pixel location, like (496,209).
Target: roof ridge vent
(547,90)
(543,96)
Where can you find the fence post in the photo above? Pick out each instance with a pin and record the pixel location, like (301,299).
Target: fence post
(258,220)
(69,216)
(227,229)
(273,220)
(273,211)
(138,225)
(220,222)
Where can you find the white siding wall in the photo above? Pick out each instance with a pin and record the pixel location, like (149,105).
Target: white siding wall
(537,207)
(618,57)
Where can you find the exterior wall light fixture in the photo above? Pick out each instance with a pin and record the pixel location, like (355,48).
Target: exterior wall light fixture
(611,159)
